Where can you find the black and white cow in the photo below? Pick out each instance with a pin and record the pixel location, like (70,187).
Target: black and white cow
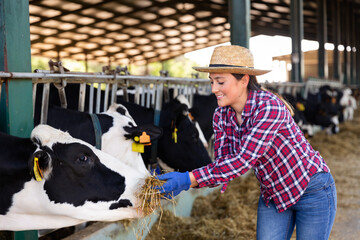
(116,126)
(348,104)
(180,147)
(185,155)
(53,180)
(298,104)
(322,108)
(182,99)
(203,111)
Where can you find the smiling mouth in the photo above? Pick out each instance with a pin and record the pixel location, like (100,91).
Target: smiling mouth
(219,96)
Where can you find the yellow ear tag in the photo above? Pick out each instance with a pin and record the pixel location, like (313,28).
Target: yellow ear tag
(300,107)
(145,139)
(136,139)
(138,147)
(174,135)
(37,170)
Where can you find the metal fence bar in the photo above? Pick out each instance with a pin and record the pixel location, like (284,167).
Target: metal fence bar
(191,96)
(125,93)
(98,98)
(82,93)
(45,103)
(62,95)
(96,78)
(176,90)
(114,88)
(106,96)
(148,95)
(143,93)
(34,89)
(153,93)
(91,98)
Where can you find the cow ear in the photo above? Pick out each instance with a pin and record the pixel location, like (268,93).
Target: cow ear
(194,113)
(151,130)
(39,164)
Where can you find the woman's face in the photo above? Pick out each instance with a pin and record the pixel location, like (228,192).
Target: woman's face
(228,90)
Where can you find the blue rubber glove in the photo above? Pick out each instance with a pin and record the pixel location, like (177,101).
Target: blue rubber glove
(175,183)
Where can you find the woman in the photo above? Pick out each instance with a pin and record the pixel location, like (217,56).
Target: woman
(254,129)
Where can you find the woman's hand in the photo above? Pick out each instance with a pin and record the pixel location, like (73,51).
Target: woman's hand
(175,183)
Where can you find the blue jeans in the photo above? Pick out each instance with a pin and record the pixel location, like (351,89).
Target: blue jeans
(313,215)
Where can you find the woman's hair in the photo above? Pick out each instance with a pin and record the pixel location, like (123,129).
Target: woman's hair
(254,86)
(253,83)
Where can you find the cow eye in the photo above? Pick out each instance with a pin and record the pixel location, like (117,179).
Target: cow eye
(83,158)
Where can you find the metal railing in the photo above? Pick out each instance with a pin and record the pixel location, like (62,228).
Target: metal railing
(150,89)
(312,85)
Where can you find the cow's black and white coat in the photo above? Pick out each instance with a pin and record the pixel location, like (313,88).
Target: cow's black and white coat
(185,154)
(348,104)
(113,133)
(80,183)
(182,99)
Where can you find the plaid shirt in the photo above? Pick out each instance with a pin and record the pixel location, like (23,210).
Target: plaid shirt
(269,141)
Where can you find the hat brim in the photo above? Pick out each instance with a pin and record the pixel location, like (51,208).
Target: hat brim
(240,70)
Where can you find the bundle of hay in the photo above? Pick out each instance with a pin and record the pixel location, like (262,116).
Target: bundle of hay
(150,197)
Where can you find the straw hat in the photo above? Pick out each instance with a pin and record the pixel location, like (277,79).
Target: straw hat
(232,59)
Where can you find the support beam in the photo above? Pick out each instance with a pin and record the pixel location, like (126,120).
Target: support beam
(357,53)
(240,22)
(16,97)
(353,29)
(322,38)
(335,9)
(16,101)
(346,41)
(297,34)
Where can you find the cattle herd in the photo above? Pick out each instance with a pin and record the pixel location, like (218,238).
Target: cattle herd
(87,167)
(324,108)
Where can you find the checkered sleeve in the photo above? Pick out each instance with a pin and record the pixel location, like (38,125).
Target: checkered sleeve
(266,121)
(222,145)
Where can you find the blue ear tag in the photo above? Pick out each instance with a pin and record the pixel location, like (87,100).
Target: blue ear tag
(137,147)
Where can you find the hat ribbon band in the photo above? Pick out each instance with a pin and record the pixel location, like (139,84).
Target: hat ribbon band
(226,65)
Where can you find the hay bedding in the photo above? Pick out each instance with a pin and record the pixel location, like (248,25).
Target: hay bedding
(232,215)
(342,154)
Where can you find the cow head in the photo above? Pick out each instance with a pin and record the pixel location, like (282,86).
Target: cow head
(75,182)
(184,151)
(123,135)
(192,114)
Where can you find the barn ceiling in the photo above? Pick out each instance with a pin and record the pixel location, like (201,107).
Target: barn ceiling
(141,31)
